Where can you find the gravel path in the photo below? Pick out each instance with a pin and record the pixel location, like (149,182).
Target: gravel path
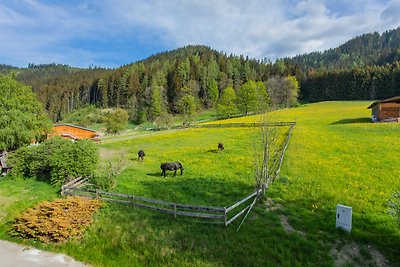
(15,255)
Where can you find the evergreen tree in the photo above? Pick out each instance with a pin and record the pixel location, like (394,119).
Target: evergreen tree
(212,93)
(156,103)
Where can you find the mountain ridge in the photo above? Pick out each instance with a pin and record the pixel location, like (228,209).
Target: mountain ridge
(363,50)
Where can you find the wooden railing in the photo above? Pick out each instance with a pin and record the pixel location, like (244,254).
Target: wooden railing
(211,214)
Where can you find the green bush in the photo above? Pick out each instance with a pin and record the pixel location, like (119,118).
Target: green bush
(85,116)
(116,121)
(56,159)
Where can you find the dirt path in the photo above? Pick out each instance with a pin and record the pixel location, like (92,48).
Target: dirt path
(15,255)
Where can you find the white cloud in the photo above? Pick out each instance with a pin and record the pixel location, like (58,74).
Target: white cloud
(68,32)
(257,28)
(391,14)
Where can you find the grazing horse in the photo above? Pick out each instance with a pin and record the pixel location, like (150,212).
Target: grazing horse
(220,146)
(141,154)
(171,166)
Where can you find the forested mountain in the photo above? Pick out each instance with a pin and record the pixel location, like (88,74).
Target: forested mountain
(37,72)
(44,72)
(364,50)
(365,67)
(152,86)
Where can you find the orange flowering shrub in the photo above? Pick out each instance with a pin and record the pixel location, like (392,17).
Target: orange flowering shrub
(58,220)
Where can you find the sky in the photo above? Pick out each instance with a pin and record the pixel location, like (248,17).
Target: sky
(111,33)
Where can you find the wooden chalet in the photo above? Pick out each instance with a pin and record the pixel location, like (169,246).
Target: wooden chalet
(73,132)
(386,110)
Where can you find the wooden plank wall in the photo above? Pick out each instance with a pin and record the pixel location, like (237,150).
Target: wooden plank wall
(79,133)
(389,110)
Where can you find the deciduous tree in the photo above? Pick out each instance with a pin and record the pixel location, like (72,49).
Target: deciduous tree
(187,107)
(226,106)
(22,117)
(252,97)
(283,91)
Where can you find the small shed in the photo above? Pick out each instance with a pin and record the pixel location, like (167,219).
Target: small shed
(386,110)
(73,132)
(3,164)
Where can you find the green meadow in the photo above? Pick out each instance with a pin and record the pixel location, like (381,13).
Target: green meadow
(335,156)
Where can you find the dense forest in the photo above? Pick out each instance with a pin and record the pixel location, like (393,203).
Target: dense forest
(363,68)
(149,87)
(358,83)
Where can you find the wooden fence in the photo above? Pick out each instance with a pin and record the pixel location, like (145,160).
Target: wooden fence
(75,183)
(208,214)
(242,124)
(276,174)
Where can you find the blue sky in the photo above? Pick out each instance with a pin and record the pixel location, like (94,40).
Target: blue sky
(111,33)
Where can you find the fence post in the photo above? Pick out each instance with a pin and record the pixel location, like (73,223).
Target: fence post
(175,210)
(225,221)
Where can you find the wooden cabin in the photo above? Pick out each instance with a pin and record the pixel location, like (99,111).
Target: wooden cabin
(386,110)
(73,132)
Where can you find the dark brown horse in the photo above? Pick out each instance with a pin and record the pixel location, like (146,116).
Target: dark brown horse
(141,155)
(220,146)
(171,166)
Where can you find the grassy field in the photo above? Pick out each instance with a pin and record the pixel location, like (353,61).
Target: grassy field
(335,156)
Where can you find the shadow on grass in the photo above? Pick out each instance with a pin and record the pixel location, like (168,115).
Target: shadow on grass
(354,120)
(162,240)
(154,174)
(195,190)
(167,174)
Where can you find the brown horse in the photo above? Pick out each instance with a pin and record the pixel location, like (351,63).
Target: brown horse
(141,155)
(171,166)
(220,146)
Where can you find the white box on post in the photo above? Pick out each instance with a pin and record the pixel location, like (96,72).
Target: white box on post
(344,217)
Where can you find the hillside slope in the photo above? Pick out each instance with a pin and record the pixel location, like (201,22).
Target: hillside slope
(367,49)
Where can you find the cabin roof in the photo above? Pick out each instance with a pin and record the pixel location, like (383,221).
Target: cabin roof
(392,99)
(75,126)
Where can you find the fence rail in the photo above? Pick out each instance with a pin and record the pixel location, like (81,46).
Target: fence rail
(284,149)
(216,215)
(220,215)
(242,124)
